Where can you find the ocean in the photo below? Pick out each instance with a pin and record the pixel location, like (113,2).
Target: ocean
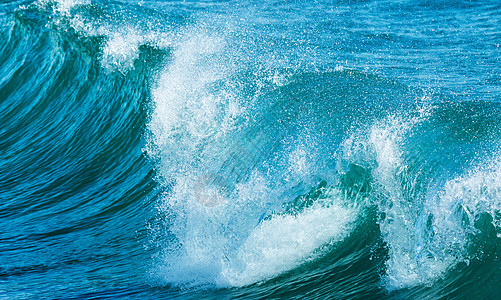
(250,149)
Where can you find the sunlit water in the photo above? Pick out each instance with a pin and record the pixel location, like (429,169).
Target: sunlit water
(247,149)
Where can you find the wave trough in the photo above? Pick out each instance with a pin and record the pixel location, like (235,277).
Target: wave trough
(270,149)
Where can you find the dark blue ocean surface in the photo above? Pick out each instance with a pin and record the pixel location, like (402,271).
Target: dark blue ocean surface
(267,149)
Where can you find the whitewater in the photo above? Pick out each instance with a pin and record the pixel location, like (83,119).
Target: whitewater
(250,149)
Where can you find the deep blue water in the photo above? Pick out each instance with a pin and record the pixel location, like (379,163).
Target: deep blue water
(267,149)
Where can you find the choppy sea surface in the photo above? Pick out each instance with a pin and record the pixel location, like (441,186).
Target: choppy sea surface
(250,149)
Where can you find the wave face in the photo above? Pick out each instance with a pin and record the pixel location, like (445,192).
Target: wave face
(273,149)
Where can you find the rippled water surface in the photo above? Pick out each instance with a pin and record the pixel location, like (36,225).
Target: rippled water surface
(267,149)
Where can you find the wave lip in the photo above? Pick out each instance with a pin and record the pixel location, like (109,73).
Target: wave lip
(224,255)
(287,241)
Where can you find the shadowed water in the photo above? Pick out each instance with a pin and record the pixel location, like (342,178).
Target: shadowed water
(276,149)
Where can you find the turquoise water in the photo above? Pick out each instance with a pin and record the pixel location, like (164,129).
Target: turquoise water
(268,149)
